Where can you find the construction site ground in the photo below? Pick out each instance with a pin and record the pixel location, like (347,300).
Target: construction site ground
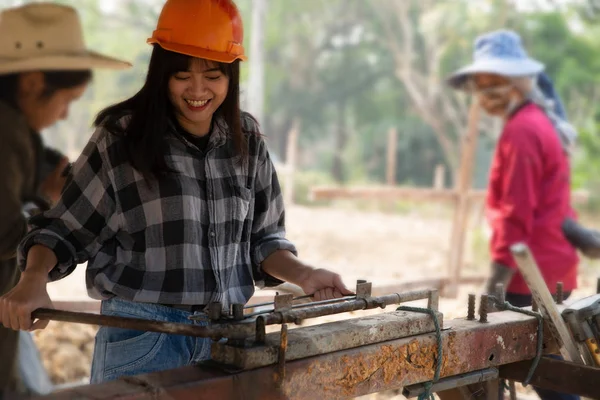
(383,245)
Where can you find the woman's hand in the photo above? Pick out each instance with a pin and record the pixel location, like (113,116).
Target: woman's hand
(320,283)
(17,305)
(323,284)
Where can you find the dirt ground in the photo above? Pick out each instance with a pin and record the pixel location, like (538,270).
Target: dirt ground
(381,247)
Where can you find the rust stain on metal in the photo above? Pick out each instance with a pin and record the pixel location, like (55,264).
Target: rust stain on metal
(392,363)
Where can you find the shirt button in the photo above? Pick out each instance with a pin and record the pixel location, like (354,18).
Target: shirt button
(212,234)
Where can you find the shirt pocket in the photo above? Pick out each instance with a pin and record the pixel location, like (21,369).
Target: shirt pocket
(240,200)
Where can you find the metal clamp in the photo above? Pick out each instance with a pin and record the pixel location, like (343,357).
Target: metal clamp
(283,302)
(363,289)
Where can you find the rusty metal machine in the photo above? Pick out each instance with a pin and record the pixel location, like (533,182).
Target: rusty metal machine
(255,354)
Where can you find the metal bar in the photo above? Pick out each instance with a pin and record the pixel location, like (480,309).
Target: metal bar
(270,303)
(351,305)
(238,330)
(313,303)
(557,375)
(452,382)
(507,338)
(512,390)
(283,344)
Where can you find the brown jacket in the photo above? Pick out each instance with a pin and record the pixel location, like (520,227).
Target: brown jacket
(20,163)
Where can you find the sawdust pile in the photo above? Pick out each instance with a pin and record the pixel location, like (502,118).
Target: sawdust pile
(66,350)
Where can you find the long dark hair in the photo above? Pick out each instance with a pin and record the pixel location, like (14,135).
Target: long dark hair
(53,81)
(150,110)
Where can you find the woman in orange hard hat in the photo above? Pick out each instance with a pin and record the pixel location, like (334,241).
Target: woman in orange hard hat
(174,203)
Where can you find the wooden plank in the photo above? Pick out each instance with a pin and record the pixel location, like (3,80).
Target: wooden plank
(531,273)
(461,214)
(384,193)
(373,192)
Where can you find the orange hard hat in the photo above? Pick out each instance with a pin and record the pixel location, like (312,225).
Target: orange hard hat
(209,29)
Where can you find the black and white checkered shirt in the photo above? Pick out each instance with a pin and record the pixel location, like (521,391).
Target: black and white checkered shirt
(198,235)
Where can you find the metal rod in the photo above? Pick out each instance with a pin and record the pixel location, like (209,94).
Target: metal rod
(347,306)
(270,303)
(313,303)
(283,344)
(237,330)
(471,308)
(483,307)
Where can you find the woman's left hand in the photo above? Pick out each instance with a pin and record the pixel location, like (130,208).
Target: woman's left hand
(323,284)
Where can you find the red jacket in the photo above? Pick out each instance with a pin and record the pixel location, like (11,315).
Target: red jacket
(529,197)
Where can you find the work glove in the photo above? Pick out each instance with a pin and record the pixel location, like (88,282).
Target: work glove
(499,274)
(585,240)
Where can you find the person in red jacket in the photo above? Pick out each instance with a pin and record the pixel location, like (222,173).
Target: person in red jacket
(529,191)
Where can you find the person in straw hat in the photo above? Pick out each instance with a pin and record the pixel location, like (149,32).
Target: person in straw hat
(174,203)
(44,67)
(529,186)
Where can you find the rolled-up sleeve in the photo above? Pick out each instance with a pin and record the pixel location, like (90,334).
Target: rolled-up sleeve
(268,228)
(85,216)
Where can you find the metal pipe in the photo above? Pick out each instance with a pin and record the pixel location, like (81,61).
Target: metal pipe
(270,303)
(347,306)
(238,330)
(314,303)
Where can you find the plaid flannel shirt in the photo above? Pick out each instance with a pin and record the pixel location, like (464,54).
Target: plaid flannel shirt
(196,236)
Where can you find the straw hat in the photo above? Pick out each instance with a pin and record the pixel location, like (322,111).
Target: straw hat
(46,36)
(499,52)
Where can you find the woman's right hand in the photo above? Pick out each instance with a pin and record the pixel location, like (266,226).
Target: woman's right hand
(17,305)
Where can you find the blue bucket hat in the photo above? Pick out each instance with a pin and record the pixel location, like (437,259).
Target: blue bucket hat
(499,52)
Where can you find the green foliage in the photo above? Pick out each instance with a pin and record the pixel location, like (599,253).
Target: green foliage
(327,64)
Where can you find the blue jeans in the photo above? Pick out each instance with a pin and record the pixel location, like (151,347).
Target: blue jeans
(125,352)
(525,300)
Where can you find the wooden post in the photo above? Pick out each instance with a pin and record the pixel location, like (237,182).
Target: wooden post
(439,177)
(461,213)
(391,157)
(290,162)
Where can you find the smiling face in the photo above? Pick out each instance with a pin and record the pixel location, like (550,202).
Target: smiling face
(196,94)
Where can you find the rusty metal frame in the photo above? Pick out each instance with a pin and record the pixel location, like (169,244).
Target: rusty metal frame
(324,338)
(468,346)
